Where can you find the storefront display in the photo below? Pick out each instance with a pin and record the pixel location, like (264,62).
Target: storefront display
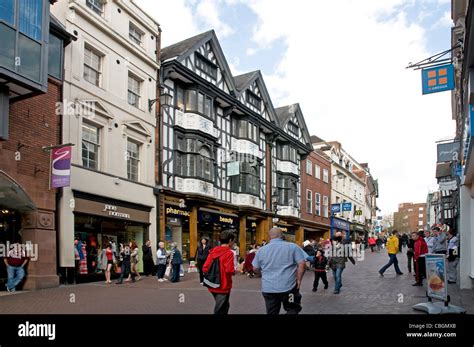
(251,236)
(211,223)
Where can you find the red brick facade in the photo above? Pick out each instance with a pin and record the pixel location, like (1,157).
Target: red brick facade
(34,124)
(409,217)
(310,182)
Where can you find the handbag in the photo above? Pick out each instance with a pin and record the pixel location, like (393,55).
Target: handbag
(168,271)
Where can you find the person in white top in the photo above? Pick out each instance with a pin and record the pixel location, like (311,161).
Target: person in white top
(453,256)
(429,239)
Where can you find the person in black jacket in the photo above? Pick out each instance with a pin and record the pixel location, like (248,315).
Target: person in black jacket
(125,253)
(319,264)
(202,253)
(410,253)
(148,264)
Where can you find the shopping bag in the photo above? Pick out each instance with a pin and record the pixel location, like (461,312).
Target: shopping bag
(192,266)
(168,271)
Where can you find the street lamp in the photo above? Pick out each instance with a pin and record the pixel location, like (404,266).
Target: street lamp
(166,99)
(275,198)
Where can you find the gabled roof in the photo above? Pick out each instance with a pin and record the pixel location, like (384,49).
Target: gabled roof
(316,139)
(284,114)
(244,81)
(181,50)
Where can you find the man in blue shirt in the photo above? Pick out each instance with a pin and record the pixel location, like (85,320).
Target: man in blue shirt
(282,265)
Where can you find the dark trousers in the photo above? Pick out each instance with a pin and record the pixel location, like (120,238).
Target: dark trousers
(222,303)
(160,272)
(410,261)
(393,260)
(175,272)
(125,271)
(148,266)
(291,301)
(420,269)
(200,265)
(320,275)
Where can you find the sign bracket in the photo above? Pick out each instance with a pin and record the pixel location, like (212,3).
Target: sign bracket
(435,60)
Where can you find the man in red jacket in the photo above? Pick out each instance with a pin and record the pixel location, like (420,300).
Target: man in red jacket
(227,270)
(420,249)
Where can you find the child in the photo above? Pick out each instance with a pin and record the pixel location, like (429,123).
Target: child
(319,264)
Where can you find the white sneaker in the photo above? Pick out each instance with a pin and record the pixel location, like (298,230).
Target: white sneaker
(160,280)
(165,279)
(201,283)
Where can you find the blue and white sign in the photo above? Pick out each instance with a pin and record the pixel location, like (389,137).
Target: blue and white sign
(336,208)
(341,224)
(437,79)
(347,206)
(378,228)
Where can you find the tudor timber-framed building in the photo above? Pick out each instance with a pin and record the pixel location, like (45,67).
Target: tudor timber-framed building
(225,151)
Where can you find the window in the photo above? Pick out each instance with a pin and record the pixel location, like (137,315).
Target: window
(90,146)
(134,90)
(243,129)
(326,207)
(317,198)
(309,201)
(293,129)
(420,209)
(133,160)
(287,190)
(309,167)
(410,210)
(420,215)
(205,65)
(317,172)
(248,182)
(92,66)
(420,222)
(253,99)
(96,5)
(326,176)
(29,52)
(31,18)
(194,158)
(285,152)
(194,101)
(55,57)
(135,34)
(7,11)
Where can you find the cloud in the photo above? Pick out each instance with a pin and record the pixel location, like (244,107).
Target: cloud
(208,12)
(445,21)
(345,63)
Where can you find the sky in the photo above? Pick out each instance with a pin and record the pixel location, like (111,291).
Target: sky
(345,63)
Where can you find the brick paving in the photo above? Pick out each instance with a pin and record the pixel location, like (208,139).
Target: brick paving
(363,292)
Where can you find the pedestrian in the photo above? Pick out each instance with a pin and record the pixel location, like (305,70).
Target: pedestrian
(339,253)
(235,249)
(379,243)
(247,267)
(440,241)
(15,262)
(309,248)
(404,239)
(429,239)
(410,253)
(202,253)
(134,259)
(175,260)
(320,266)
(125,270)
(107,259)
(420,249)
(161,257)
(392,249)
(225,258)
(282,266)
(453,256)
(372,243)
(148,263)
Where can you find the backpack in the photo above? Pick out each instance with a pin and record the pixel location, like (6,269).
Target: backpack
(212,279)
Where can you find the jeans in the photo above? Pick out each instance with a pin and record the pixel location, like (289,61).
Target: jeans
(317,276)
(393,260)
(15,276)
(126,270)
(175,268)
(222,303)
(410,261)
(160,272)
(337,274)
(291,302)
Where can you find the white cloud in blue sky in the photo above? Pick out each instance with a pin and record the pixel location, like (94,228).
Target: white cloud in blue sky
(344,62)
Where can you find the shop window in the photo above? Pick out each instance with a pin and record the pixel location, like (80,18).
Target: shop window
(133,160)
(90,146)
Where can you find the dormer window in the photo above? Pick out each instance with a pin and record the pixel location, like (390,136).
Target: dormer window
(253,99)
(293,129)
(205,65)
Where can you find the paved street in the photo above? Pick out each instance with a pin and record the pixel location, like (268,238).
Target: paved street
(363,292)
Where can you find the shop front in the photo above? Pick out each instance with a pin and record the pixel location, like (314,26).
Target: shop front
(177,228)
(100,221)
(251,232)
(289,231)
(338,224)
(358,231)
(212,222)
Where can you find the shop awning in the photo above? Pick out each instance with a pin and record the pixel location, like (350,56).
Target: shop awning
(13,196)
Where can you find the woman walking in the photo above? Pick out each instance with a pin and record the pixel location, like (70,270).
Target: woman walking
(125,270)
(202,253)
(176,261)
(134,258)
(107,259)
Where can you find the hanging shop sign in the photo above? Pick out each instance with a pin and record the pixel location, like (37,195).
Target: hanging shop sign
(341,224)
(437,79)
(336,208)
(347,206)
(61,167)
(448,151)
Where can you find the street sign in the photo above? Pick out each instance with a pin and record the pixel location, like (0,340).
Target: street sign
(437,79)
(336,208)
(347,206)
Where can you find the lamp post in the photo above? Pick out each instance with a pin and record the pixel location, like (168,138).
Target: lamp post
(166,101)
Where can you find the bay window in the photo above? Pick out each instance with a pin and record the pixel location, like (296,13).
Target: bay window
(286,153)
(194,157)
(243,129)
(248,181)
(287,190)
(192,100)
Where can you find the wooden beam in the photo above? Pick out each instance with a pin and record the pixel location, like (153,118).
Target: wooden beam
(193,230)
(243,236)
